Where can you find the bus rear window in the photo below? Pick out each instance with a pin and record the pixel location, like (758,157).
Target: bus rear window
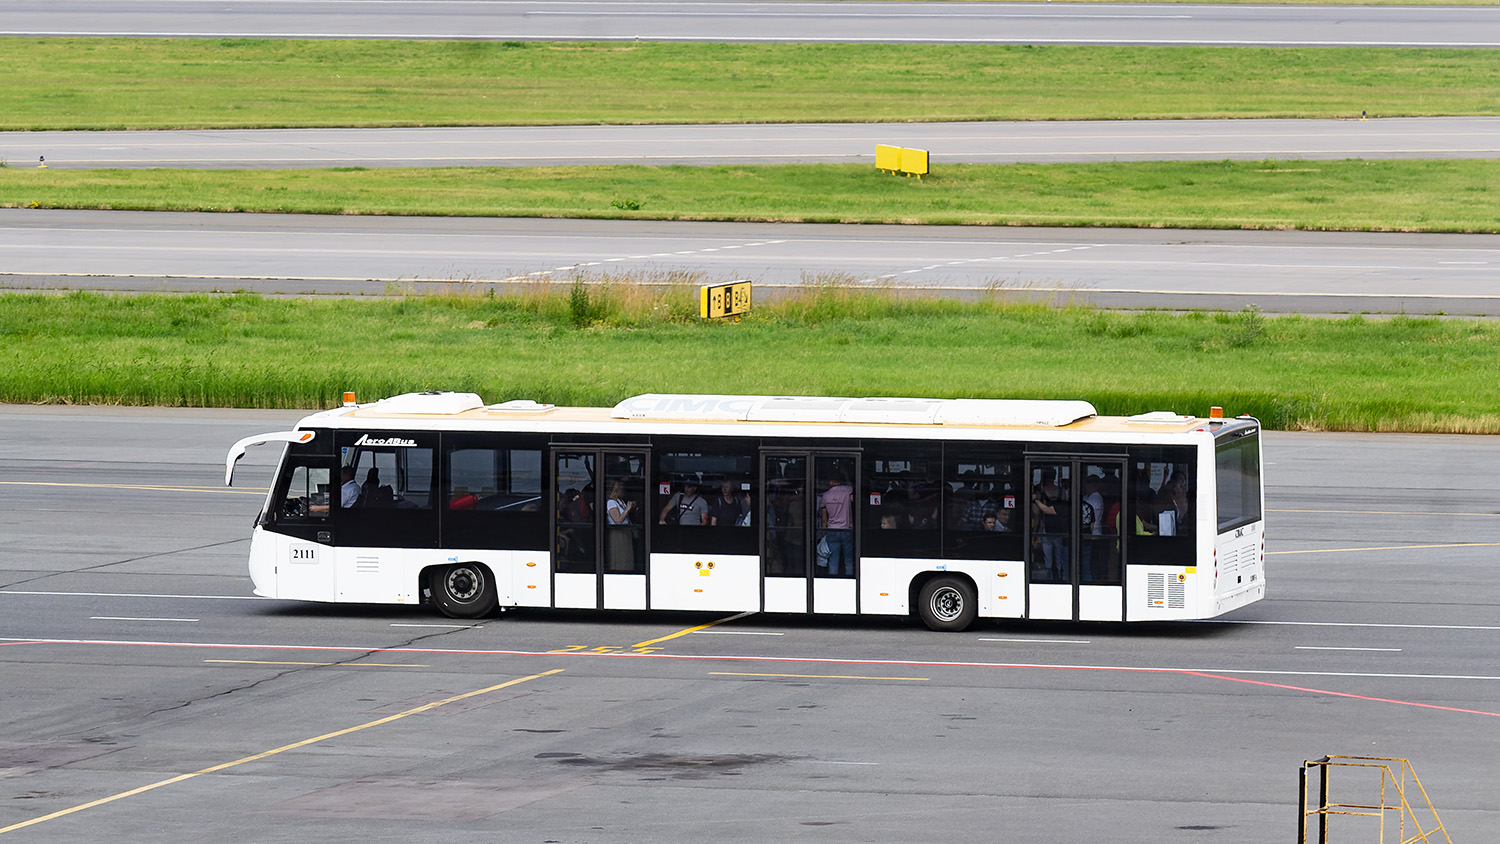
(1238,468)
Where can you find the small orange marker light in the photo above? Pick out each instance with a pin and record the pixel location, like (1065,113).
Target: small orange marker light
(349,399)
(1213,412)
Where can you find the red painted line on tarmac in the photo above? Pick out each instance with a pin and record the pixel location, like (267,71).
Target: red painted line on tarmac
(1331,693)
(742,658)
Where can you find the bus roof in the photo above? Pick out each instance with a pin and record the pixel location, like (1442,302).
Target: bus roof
(454,411)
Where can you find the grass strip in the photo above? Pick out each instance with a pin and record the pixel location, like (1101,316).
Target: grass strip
(610,338)
(130,83)
(1353,195)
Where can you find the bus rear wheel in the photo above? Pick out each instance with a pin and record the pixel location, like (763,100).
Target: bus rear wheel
(948,604)
(465,590)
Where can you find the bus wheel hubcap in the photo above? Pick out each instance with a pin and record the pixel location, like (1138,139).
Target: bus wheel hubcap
(947,604)
(463,584)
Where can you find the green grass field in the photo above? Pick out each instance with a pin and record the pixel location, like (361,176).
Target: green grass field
(600,343)
(108,83)
(1450,196)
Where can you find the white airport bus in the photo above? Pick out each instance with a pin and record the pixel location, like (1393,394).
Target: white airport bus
(951,509)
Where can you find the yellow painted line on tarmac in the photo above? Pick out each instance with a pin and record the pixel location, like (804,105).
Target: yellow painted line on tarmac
(681,633)
(1387,548)
(342,664)
(814,676)
(284,748)
(147,487)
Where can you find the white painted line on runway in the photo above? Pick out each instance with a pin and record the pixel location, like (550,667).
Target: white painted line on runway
(330,664)
(1318,648)
(1356,624)
(127,618)
(145,487)
(813,676)
(1043,641)
(1386,548)
(544,13)
(449,626)
(738,633)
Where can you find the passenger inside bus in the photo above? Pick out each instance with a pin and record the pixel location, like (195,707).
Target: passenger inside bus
(349,492)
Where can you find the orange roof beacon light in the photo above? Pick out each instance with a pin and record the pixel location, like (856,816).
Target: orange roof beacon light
(349,399)
(1214,412)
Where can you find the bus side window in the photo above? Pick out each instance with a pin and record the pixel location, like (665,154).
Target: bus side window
(394,478)
(305,495)
(1158,515)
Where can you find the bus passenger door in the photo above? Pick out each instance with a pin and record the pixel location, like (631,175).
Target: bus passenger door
(808,567)
(1073,541)
(599,561)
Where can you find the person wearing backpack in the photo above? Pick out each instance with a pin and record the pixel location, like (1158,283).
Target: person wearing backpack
(685,508)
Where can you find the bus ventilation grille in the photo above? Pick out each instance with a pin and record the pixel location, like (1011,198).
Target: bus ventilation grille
(1161,592)
(367,565)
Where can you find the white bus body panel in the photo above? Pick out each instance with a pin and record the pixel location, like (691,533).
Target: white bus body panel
(1239,568)
(284,567)
(263,557)
(575,590)
(1101,603)
(531,581)
(624,591)
(1051,600)
(499,563)
(1163,593)
(834,595)
(885,584)
(878,592)
(375,575)
(786,594)
(706,582)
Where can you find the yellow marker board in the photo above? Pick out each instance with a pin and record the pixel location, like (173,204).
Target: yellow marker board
(722,300)
(912,162)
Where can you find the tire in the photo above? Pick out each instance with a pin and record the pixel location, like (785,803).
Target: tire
(465,590)
(948,604)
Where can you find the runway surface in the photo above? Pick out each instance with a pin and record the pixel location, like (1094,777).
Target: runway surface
(1278,272)
(136,669)
(730,20)
(947,143)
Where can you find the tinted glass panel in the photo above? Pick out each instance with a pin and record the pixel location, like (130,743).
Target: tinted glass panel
(786,517)
(387,489)
(624,529)
(1099,505)
(1052,517)
(1159,511)
(387,478)
(574,506)
(702,501)
(984,505)
(303,495)
(1238,468)
(492,495)
(836,514)
(902,500)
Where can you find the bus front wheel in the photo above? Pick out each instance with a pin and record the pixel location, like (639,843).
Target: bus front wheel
(948,603)
(466,590)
